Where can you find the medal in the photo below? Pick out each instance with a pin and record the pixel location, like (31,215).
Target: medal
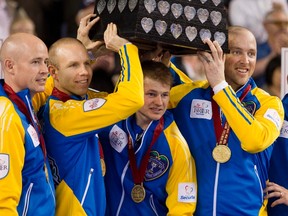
(103,166)
(138,193)
(221,153)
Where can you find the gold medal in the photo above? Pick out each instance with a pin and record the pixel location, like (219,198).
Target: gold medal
(103,166)
(221,153)
(138,193)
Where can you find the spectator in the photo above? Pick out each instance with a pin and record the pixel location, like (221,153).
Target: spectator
(273,77)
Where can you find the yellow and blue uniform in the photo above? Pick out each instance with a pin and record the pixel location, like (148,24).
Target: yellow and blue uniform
(235,187)
(69,131)
(170,177)
(24,187)
(279,164)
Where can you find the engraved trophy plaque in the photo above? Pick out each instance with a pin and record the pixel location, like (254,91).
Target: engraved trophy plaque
(179,26)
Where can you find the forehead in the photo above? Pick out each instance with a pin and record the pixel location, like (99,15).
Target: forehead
(277,15)
(242,39)
(33,50)
(72,52)
(155,85)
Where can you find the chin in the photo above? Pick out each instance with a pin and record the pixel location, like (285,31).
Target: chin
(156,117)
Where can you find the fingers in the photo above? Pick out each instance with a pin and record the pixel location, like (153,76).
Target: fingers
(112,40)
(153,54)
(86,19)
(277,191)
(215,55)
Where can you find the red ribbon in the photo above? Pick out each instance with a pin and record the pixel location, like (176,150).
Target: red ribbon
(222,134)
(138,174)
(23,108)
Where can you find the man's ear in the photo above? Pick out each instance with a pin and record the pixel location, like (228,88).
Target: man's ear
(9,65)
(53,71)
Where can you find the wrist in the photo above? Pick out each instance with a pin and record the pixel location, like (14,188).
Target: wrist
(220,86)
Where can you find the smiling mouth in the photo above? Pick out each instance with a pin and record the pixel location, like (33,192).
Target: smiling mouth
(43,80)
(82,81)
(242,70)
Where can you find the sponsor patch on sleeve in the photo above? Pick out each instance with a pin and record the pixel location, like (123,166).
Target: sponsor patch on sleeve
(273,116)
(94,104)
(118,138)
(34,136)
(201,109)
(4,165)
(284,130)
(186,192)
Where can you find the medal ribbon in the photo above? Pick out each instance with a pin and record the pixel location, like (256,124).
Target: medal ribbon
(222,134)
(64,97)
(138,174)
(23,108)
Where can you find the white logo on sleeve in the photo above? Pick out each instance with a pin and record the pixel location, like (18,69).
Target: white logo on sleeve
(284,130)
(4,165)
(273,116)
(186,192)
(118,138)
(34,136)
(201,109)
(93,104)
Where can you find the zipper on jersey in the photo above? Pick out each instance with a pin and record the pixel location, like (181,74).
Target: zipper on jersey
(87,186)
(27,200)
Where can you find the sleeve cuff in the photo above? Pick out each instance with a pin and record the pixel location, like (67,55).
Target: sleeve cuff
(220,86)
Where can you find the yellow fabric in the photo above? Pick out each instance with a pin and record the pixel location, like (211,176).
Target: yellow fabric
(182,90)
(183,170)
(12,135)
(258,135)
(183,77)
(119,105)
(40,98)
(66,202)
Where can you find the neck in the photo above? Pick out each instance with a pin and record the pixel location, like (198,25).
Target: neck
(142,121)
(16,89)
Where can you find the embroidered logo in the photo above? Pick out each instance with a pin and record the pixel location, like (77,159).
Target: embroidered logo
(34,136)
(118,138)
(273,116)
(93,104)
(284,130)
(4,165)
(250,106)
(186,192)
(201,109)
(157,166)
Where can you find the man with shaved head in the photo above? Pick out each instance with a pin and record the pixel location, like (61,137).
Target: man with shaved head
(25,177)
(72,120)
(229,124)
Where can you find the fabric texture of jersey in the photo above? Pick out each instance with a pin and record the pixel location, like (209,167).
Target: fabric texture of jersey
(170,177)
(279,164)
(70,130)
(235,187)
(24,187)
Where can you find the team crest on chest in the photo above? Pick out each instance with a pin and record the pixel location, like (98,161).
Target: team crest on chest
(201,109)
(284,130)
(118,138)
(4,165)
(250,106)
(93,104)
(157,166)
